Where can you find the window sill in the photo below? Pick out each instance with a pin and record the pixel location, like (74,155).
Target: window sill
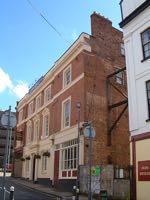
(65,128)
(44,137)
(67,85)
(145,59)
(47,101)
(44,171)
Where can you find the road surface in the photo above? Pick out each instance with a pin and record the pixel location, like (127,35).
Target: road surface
(22,192)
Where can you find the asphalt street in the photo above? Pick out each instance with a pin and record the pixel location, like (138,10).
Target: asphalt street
(22,192)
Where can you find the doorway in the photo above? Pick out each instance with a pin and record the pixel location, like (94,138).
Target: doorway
(56,168)
(33,174)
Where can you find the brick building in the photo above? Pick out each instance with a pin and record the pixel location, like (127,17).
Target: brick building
(47,115)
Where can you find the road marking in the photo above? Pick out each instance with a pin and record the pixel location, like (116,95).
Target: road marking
(5,190)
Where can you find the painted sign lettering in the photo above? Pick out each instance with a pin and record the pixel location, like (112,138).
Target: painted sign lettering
(144,170)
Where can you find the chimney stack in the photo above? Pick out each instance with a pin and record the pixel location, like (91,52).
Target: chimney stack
(99,25)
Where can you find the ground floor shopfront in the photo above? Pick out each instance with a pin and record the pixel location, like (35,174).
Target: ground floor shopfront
(53,160)
(140,159)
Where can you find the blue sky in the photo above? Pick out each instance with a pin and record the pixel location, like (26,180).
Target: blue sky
(29,46)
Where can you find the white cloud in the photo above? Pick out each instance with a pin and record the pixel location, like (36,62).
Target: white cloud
(5,81)
(20,89)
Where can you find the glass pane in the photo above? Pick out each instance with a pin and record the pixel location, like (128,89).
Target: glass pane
(65,154)
(148,94)
(67,77)
(75,163)
(119,77)
(148,32)
(116,173)
(67,113)
(67,110)
(48,94)
(149,102)
(147,54)
(69,155)
(63,157)
(66,165)
(146,47)
(75,152)
(67,121)
(121,175)
(145,38)
(71,163)
(148,85)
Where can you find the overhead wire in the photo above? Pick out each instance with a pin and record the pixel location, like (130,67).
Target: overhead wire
(61,36)
(47,21)
(50,24)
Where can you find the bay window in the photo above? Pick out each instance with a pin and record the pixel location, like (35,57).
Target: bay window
(69,152)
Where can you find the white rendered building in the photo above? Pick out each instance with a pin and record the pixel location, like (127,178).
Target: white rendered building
(136,29)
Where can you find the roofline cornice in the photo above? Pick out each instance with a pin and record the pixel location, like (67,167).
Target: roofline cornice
(79,45)
(135,13)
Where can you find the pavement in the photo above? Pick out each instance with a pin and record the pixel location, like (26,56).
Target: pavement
(46,190)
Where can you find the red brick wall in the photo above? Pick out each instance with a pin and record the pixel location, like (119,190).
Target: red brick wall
(76,93)
(106,40)
(77,69)
(105,56)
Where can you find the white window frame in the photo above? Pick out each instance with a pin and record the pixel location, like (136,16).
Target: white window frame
(29,133)
(65,77)
(45,114)
(69,162)
(47,94)
(119,173)
(36,129)
(63,113)
(38,102)
(30,108)
(146,43)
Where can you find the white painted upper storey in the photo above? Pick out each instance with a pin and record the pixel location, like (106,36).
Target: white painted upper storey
(128,6)
(138,72)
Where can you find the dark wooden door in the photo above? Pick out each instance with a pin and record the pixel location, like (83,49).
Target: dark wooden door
(56,168)
(33,175)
